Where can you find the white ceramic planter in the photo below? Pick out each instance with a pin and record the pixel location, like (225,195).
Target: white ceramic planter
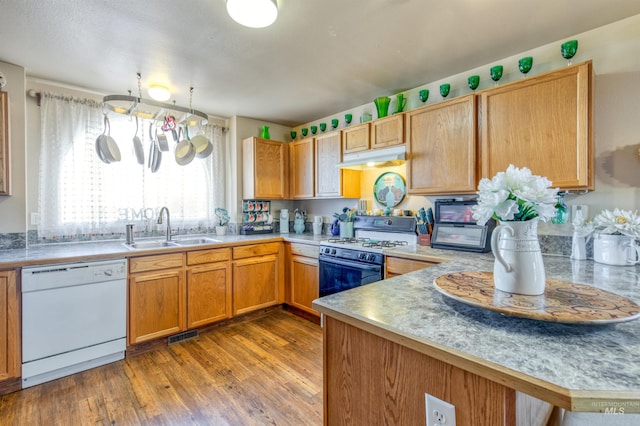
(221,230)
(618,250)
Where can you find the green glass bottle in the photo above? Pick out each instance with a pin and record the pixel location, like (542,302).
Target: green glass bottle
(561,211)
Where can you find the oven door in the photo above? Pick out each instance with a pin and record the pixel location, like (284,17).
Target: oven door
(338,275)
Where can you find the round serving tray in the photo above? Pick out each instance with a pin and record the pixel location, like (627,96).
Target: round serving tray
(563,301)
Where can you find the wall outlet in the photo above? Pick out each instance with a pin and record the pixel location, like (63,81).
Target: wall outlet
(35,218)
(439,412)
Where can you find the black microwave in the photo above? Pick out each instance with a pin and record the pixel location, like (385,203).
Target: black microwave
(455,228)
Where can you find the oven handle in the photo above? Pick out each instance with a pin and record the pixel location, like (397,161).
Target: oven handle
(362,266)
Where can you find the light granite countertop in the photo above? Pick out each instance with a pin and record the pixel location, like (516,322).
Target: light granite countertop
(87,251)
(586,365)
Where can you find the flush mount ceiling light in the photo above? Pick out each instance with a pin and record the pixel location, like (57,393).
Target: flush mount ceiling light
(159,93)
(253,13)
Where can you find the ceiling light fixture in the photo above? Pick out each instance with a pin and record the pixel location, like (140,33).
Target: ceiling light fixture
(253,13)
(159,93)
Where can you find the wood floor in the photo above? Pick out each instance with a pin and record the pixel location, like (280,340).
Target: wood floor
(264,371)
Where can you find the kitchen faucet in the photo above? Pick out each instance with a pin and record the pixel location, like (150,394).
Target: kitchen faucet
(164,209)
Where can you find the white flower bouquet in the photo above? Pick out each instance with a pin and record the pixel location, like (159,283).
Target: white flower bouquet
(515,195)
(618,222)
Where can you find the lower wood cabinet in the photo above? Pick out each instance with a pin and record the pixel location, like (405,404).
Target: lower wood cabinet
(257,277)
(303,285)
(208,286)
(395,266)
(9,327)
(370,380)
(156,297)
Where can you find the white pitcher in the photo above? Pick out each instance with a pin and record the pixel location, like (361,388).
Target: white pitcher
(518,267)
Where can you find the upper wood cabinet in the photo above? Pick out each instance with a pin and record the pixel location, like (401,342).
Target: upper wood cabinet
(356,138)
(387,131)
(265,169)
(332,182)
(441,147)
(9,327)
(543,123)
(301,154)
(381,133)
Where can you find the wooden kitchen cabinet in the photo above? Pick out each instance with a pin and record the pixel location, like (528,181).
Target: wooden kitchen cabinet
(387,131)
(303,286)
(356,138)
(332,182)
(257,277)
(542,122)
(208,286)
(395,266)
(10,346)
(302,158)
(156,297)
(442,147)
(265,169)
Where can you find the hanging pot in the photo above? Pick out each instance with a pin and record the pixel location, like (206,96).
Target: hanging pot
(107,146)
(202,146)
(184,152)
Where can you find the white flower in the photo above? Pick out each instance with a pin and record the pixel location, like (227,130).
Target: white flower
(515,194)
(623,222)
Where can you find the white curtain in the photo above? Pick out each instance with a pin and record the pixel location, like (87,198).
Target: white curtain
(80,197)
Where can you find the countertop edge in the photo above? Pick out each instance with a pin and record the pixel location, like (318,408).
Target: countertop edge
(106,250)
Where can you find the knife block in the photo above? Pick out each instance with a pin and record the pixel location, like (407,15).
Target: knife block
(424,239)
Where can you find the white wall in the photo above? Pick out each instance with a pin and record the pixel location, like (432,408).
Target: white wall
(12,208)
(614,50)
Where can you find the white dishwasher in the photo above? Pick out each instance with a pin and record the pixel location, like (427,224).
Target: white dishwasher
(74,317)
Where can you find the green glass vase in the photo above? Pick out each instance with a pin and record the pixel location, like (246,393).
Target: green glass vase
(264,133)
(382,105)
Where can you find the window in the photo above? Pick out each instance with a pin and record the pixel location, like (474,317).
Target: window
(80,197)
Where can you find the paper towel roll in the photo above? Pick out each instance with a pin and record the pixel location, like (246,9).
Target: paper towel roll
(317,219)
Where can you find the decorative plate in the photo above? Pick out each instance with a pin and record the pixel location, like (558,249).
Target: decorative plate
(389,189)
(563,301)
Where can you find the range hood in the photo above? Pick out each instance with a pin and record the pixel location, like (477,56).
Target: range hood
(386,157)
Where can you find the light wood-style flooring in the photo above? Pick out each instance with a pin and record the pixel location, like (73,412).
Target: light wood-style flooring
(266,370)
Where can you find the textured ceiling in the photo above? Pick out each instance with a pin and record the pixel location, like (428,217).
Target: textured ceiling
(320,56)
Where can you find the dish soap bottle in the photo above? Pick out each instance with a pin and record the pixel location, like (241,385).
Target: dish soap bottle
(561,211)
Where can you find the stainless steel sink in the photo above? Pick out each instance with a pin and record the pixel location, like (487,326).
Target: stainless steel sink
(147,245)
(196,241)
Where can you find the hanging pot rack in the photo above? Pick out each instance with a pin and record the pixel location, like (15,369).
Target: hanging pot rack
(152,109)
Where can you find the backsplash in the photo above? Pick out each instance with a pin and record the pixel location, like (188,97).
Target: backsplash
(549,244)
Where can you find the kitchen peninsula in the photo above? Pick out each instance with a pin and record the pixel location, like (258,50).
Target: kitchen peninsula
(389,343)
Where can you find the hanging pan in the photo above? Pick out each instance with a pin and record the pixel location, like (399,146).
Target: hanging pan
(137,146)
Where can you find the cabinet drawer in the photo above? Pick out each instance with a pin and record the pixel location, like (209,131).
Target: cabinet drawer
(154,263)
(398,266)
(306,250)
(208,256)
(255,250)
